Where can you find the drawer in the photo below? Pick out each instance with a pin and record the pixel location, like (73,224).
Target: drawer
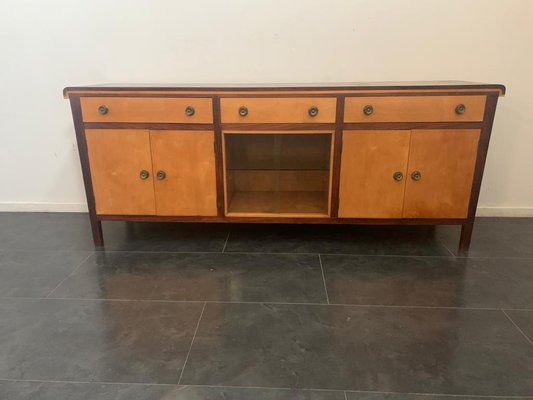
(414,109)
(147,109)
(278,110)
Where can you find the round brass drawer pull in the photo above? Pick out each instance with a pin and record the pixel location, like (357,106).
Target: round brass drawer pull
(161,175)
(397,176)
(368,109)
(313,111)
(189,111)
(416,176)
(103,109)
(144,174)
(243,111)
(460,109)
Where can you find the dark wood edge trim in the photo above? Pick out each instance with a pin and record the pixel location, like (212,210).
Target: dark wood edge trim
(411,125)
(337,153)
(219,164)
(148,125)
(285,95)
(283,220)
(96,227)
(418,94)
(482,150)
(285,126)
(278,126)
(499,88)
(147,95)
(340,93)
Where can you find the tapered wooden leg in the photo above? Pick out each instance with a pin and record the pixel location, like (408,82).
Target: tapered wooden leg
(466,236)
(98,237)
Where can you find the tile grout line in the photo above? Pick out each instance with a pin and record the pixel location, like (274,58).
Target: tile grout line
(299,253)
(446,247)
(345,391)
(462,396)
(192,342)
(87,382)
(517,327)
(345,395)
(226,242)
(323,278)
(69,275)
(268,302)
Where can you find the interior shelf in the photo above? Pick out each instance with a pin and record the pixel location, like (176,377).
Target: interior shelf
(301,202)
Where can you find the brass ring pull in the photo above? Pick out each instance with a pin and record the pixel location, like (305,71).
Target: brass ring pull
(189,111)
(313,111)
(397,176)
(368,109)
(144,174)
(103,109)
(460,109)
(416,176)
(161,175)
(243,111)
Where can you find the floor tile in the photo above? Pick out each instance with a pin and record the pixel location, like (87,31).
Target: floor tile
(164,236)
(45,231)
(494,237)
(524,320)
(401,396)
(338,239)
(98,391)
(95,340)
(429,281)
(289,278)
(450,351)
(35,273)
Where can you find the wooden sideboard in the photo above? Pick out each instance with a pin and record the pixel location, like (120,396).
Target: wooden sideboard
(383,153)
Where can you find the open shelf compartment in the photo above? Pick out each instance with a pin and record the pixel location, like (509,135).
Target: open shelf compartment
(286,174)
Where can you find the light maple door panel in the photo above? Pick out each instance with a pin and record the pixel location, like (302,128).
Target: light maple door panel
(116,159)
(187,159)
(446,160)
(368,163)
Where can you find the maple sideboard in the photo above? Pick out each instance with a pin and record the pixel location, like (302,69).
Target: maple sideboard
(386,153)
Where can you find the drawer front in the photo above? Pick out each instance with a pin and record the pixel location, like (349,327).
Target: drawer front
(147,109)
(414,109)
(278,110)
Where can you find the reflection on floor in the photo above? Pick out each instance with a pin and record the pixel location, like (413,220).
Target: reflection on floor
(213,311)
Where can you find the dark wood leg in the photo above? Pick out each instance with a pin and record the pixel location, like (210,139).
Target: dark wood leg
(466,236)
(98,237)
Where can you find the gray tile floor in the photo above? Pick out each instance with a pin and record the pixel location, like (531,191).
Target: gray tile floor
(213,311)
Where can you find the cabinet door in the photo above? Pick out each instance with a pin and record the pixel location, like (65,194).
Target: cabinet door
(445,161)
(184,168)
(369,187)
(121,171)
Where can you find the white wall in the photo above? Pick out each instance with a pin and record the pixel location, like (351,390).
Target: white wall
(46,45)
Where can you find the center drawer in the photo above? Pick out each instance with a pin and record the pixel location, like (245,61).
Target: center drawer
(147,109)
(278,110)
(414,109)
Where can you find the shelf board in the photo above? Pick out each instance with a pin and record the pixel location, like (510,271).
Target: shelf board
(295,203)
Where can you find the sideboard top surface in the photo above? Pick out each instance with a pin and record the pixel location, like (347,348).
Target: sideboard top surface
(336,87)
